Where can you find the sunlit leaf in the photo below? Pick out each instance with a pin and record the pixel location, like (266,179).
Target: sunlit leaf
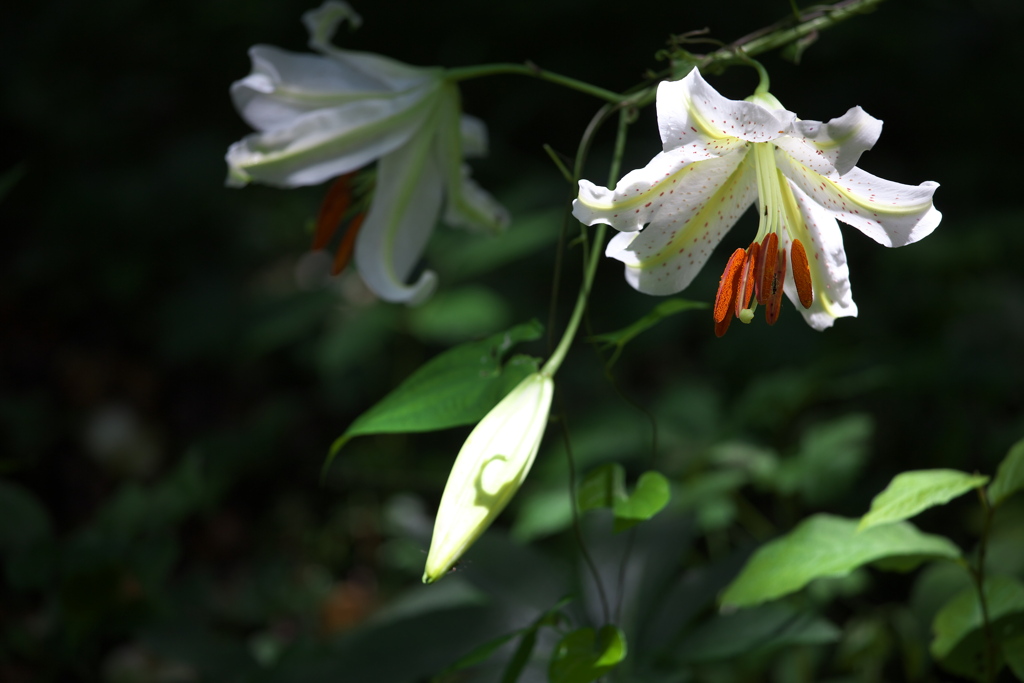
(1010,476)
(912,492)
(457,387)
(583,656)
(960,641)
(605,487)
(650,496)
(827,546)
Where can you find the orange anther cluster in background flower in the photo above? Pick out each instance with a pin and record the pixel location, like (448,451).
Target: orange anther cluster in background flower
(759,272)
(336,204)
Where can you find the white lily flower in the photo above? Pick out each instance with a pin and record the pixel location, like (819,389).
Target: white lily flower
(320,116)
(488,471)
(719,156)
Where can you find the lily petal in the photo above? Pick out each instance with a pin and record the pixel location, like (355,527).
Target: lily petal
(832,149)
(474,136)
(687,219)
(691,112)
(284,85)
(326,143)
(819,233)
(406,204)
(892,214)
(322,24)
(468,205)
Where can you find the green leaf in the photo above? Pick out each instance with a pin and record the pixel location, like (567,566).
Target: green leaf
(602,487)
(960,642)
(827,546)
(457,387)
(912,492)
(620,338)
(605,487)
(1010,477)
(762,628)
(582,656)
(650,496)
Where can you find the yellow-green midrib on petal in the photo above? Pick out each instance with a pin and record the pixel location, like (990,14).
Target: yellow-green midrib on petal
(697,225)
(797,229)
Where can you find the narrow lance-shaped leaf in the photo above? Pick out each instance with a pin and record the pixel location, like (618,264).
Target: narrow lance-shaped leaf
(457,387)
(827,546)
(912,492)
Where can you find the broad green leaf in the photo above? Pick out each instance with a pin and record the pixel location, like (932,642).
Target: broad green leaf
(760,628)
(960,642)
(827,546)
(912,492)
(583,656)
(619,338)
(457,387)
(602,487)
(650,496)
(1010,477)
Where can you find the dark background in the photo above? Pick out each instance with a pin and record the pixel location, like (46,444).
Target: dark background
(170,381)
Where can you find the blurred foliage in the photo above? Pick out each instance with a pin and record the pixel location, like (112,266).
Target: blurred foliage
(174,366)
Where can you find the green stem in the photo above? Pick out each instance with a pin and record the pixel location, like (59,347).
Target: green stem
(781,33)
(596,247)
(529,69)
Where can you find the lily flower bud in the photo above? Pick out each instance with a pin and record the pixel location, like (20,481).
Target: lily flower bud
(492,464)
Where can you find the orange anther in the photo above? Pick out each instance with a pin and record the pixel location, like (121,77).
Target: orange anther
(775,288)
(727,286)
(332,210)
(348,243)
(748,277)
(801,274)
(767,266)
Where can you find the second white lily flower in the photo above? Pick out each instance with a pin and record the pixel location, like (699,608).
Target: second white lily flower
(320,116)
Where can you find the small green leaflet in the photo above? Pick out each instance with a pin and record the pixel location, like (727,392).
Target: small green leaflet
(1010,477)
(605,487)
(583,656)
(454,388)
(959,631)
(620,338)
(912,492)
(827,546)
